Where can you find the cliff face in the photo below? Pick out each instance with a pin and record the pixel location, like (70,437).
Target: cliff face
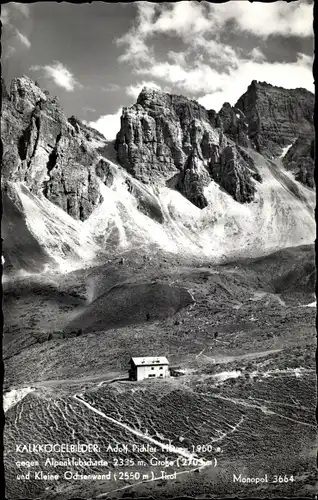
(300,159)
(53,156)
(170,139)
(275,116)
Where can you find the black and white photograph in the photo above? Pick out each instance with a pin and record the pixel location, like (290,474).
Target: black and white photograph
(158,250)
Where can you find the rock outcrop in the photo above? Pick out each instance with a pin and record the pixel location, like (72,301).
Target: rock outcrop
(275,116)
(300,159)
(234,124)
(269,119)
(50,154)
(169,139)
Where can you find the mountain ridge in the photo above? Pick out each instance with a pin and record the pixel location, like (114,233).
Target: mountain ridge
(180,177)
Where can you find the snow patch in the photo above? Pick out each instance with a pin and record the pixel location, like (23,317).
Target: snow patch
(298,372)
(97,143)
(13,397)
(312,304)
(221,377)
(285,149)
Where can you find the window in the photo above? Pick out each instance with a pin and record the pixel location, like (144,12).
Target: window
(151,375)
(160,367)
(152,368)
(161,374)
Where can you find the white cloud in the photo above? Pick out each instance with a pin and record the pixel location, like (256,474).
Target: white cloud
(22,7)
(23,39)
(134,90)
(215,52)
(87,109)
(137,49)
(200,26)
(262,19)
(8,13)
(187,20)
(177,57)
(108,125)
(60,75)
(8,52)
(182,18)
(195,79)
(110,87)
(256,55)
(5,16)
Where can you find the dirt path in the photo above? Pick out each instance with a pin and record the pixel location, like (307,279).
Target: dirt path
(219,359)
(264,409)
(102,378)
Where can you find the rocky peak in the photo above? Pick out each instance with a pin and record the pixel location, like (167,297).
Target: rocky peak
(25,94)
(54,157)
(275,115)
(170,139)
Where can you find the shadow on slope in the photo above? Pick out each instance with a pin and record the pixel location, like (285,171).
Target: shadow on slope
(129,304)
(34,309)
(286,271)
(20,249)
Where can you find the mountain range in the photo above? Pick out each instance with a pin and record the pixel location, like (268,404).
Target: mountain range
(178,177)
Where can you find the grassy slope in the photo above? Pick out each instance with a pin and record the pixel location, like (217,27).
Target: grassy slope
(236,302)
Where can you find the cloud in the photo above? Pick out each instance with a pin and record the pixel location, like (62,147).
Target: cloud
(263,20)
(200,26)
(13,15)
(87,109)
(110,87)
(22,7)
(5,16)
(177,57)
(134,90)
(9,12)
(136,47)
(60,75)
(182,18)
(195,79)
(23,39)
(8,52)
(256,55)
(108,125)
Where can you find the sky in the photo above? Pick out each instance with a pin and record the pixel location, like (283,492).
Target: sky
(97,57)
